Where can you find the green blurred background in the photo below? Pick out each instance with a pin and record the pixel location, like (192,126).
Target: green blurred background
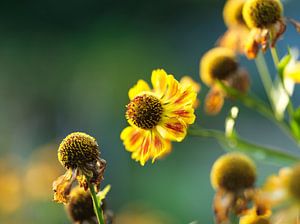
(67,66)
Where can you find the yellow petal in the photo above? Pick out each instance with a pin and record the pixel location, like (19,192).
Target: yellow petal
(293,72)
(160,146)
(132,138)
(159,81)
(137,89)
(172,129)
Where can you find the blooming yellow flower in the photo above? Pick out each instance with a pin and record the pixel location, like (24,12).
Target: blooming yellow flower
(157,116)
(265,19)
(80,155)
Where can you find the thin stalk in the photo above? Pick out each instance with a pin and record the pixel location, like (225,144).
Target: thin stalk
(96,204)
(275,57)
(265,76)
(241,145)
(259,106)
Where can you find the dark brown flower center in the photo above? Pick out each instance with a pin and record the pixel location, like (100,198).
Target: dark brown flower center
(144,111)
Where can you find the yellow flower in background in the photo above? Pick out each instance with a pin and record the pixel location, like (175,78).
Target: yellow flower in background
(157,116)
(237,32)
(292,70)
(256,216)
(79,154)
(265,20)
(221,64)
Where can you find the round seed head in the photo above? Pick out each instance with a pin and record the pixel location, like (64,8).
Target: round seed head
(233,172)
(262,13)
(144,111)
(218,63)
(77,150)
(80,207)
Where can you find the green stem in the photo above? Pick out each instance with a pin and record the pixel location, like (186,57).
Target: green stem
(241,145)
(265,76)
(96,204)
(257,105)
(275,56)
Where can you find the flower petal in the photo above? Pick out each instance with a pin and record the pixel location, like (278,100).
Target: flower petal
(160,146)
(132,138)
(172,89)
(159,81)
(140,87)
(172,129)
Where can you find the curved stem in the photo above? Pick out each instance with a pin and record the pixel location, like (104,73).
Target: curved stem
(238,144)
(97,208)
(258,105)
(265,76)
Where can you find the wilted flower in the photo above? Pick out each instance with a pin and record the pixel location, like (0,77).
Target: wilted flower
(237,31)
(157,116)
(220,64)
(233,176)
(265,20)
(80,155)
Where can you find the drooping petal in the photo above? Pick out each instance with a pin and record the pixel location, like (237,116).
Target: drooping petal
(159,81)
(132,138)
(172,129)
(62,186)
(138,88)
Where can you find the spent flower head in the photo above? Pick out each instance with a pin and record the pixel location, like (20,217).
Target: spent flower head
(79,154)
(265,19)
(157,116)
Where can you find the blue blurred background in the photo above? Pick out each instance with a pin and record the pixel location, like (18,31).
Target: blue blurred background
(67,66)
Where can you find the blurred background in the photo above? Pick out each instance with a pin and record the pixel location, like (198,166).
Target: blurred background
(67,66)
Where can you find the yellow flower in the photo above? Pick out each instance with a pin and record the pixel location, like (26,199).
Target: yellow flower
(232,13)
(233,172)
(292,70)
(157,116)
(217,64)
(221,64)
(265,19)
(80,155)
(237,31)
(256,216)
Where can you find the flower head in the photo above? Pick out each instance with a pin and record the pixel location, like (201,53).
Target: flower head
(232,13)
(265,19)
(79,154)
(294,183)
(217,64)
(157,116)
(233,172)
(80,206)
(220,64)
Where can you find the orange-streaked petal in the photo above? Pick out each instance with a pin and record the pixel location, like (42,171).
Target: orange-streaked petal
(143,152)
(172,89)
(172,129)
(132,138)
(186,114)
(160,146)
(159,81)
(138,88)
(214,102)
